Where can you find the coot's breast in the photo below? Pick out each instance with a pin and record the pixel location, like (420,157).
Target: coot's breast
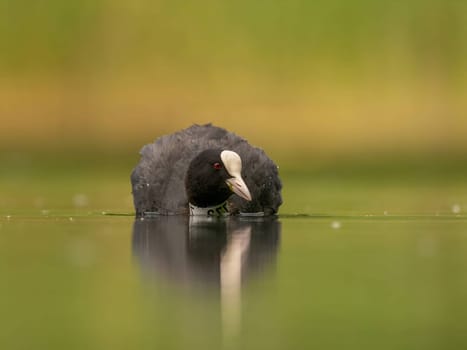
(158,179)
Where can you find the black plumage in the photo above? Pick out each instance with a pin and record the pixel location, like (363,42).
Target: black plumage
(163,183)
(206,186)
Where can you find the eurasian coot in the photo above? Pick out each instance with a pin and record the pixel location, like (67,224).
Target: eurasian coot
(205,170)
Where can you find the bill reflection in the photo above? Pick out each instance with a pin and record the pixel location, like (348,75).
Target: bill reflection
(196,253)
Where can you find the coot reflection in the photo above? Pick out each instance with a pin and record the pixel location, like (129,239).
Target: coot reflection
(207,252)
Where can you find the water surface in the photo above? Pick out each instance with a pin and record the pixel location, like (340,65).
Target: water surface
(113,282)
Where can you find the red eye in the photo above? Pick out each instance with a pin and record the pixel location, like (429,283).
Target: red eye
(217,166)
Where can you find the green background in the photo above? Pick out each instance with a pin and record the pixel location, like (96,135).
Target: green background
(299,77)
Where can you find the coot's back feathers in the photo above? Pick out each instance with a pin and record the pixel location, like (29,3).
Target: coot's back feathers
(158,179)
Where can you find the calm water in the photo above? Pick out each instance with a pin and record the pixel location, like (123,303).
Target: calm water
(379,263)
(110,282)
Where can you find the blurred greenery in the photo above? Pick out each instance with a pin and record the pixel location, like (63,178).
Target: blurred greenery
(313,77)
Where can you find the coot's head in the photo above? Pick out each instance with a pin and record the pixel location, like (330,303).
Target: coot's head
(212,177)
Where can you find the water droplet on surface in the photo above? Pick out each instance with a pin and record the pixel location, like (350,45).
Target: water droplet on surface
(336,225)
(456,208)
